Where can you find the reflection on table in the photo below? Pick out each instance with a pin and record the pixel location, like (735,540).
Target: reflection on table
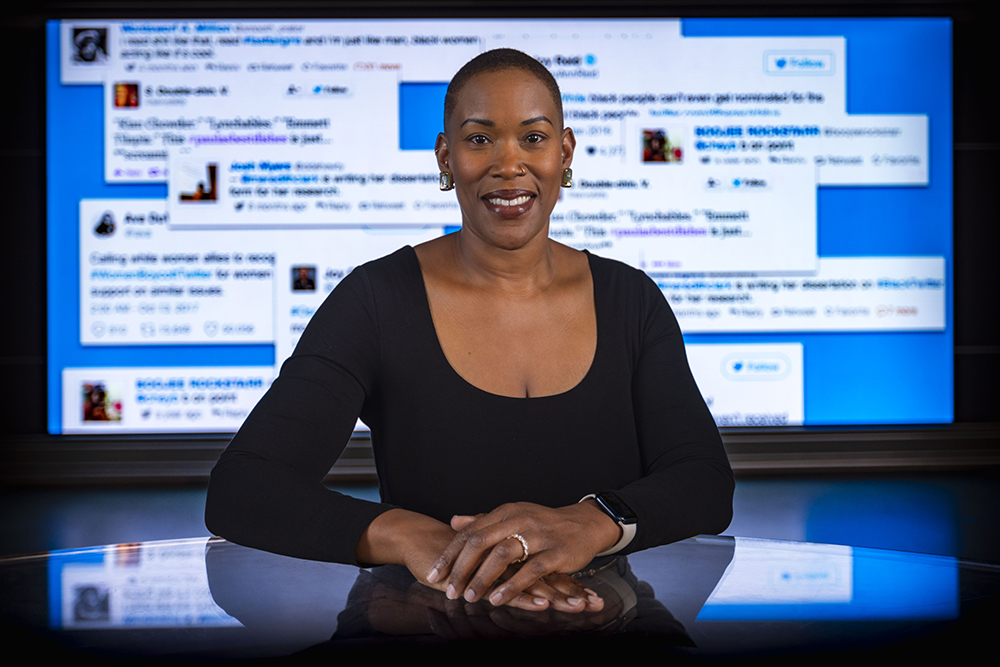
(707,596)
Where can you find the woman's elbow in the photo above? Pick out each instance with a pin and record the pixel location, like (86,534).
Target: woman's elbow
(221,504)
(720,520)
(714,499)
(215,518)
(721,505)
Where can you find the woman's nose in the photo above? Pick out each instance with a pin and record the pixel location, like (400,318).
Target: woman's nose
(508,163)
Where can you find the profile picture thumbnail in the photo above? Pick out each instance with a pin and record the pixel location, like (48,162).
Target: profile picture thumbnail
(662,145)
(102,401)
(198,184)
(91,603)
(303,278)
(126,95)
(90,45)
(106,225)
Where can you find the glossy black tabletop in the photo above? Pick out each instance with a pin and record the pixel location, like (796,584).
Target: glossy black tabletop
(706,597)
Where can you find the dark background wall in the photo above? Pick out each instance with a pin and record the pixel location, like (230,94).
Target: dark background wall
(27,448)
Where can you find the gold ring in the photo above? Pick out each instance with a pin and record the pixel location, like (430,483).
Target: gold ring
(524,545)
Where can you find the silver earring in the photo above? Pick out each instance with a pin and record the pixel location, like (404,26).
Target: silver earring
(445,181)
(567,178)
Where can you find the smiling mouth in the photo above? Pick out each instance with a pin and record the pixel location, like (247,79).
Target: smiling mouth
(509,204)
(516,201)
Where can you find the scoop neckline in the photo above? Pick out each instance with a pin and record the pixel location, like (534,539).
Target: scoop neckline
(443,358)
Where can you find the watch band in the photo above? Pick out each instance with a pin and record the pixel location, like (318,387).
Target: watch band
(626,523)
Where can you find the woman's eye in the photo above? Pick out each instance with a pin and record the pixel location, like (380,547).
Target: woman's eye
(479,139)
(534,138)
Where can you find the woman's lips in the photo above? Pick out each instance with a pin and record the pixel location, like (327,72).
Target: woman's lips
(509,203)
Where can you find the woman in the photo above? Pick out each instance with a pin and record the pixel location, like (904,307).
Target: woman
(504,377)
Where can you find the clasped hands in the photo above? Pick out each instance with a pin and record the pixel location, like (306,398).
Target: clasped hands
(484,558)
(474,558)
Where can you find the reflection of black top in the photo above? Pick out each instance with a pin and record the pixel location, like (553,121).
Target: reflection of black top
(636,423)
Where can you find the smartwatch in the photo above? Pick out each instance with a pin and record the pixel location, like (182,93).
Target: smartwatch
(622,514)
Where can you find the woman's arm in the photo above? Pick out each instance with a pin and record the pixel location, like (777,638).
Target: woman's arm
(687,484)
(267,489)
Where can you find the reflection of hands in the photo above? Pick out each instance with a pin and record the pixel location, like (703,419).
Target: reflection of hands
(560,540)
(420,610)
(556,591)
(552,621)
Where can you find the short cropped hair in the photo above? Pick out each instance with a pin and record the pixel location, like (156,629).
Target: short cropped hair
(499,60)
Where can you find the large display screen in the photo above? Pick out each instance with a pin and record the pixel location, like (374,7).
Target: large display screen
(786,183)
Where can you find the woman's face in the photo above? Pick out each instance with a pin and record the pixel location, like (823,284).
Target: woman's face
(506,149)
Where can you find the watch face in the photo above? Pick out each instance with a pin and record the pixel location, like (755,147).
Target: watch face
(615,507)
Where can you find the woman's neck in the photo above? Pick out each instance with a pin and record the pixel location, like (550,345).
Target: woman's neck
(527,270)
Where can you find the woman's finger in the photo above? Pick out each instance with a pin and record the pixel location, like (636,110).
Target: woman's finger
(460,521)
(529,574)
(540,596)
(497,543)
(565,598)
(491,568)
(529,601)
(569,587)
(442,567)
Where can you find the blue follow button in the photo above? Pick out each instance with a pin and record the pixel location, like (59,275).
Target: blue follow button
(751,367)
(798,63)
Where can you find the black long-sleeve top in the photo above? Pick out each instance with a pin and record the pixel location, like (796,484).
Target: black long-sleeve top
(635,424)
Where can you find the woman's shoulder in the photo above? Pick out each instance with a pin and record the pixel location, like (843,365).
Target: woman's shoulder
(364,301)
(620,277)
(635,301)
(399,262)
(612,266)
(386,274)
(370,283)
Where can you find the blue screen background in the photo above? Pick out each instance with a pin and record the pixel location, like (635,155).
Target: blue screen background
(894,66)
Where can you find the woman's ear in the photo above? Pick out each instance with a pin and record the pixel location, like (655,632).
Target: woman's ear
(442,153)
(568,146)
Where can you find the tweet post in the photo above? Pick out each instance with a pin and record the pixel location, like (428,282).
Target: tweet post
(133,400)
(142,283)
